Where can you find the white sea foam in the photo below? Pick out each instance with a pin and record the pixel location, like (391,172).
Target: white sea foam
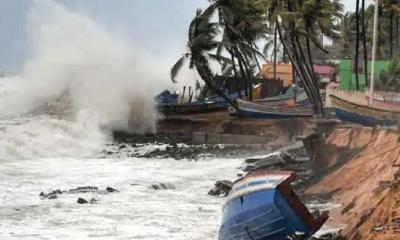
(135,212)
(79,82)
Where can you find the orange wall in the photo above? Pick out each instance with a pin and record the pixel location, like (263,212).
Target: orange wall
(283,71)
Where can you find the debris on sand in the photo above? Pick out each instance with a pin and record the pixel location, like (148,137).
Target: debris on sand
(221,188)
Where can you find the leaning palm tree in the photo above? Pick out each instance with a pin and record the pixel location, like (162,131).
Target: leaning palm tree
(201,41)
(243,24)
(305,21)
(357,43)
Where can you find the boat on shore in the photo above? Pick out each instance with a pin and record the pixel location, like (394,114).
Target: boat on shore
(192,108)
(353,107)
(263,206)
(276,110)
(386,100)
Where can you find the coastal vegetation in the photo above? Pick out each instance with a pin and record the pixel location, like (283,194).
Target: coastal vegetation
(227,37)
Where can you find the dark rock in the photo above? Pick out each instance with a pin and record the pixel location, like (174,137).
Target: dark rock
(93,201)
(221,188)
(122,146)
(87,189)
(286,157)
(163,186)
(298,153)
(263,163)
(51,195)
(111,190)
(82,201)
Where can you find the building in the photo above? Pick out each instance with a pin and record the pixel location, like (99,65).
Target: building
(325,74)
(284,72)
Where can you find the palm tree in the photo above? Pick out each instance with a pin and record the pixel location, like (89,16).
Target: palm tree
(364,41)
(201,41)
(242,23)
(357,43)
(347,35)
(300,22)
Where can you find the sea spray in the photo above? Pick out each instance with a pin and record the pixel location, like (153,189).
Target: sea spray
(79,83)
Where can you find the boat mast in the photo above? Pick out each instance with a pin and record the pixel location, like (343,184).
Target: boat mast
(374,42)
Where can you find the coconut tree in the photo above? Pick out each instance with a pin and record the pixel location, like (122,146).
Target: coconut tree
(347,35)
(305,21)
(364,41)
(201,42)
(357,44)
(242,24)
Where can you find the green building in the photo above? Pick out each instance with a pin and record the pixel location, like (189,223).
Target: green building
(348,77)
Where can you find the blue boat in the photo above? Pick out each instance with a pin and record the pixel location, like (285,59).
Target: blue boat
(349,111)
(263,206)
(166,98)
(268,110)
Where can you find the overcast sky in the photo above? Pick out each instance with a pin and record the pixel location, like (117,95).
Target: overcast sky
(157,27)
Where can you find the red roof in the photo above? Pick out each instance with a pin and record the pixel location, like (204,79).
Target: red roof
(324,70)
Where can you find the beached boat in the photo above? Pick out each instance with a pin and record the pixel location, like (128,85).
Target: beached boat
(192,108)
(386,100)
(350,110)
(263,206)
(166,98)
(278,110)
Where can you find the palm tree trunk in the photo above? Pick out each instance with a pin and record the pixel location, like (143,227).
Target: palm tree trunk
(364,41)
(302,69)
(246,64)
(310,60)
(357,44)
(391,33)
(275,49)
(397,32)
(207,79)
(255,56)
(316,83)
(235,72)
(309,76)
(245,71)
(243,75)
(297,70)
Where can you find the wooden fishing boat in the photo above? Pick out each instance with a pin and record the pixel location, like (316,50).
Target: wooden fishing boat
(279,110)
(361,113)
(263,206)
(192,108)
(386,100)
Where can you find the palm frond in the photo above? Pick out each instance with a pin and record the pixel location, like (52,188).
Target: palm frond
(177,67)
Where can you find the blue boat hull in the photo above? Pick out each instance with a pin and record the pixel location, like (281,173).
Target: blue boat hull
(269,115)
(354,117)
(263,215)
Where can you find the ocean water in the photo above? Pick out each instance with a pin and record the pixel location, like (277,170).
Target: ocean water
(56,118)
(137,211)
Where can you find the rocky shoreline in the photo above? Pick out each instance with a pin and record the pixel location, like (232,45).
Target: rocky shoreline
(294,157)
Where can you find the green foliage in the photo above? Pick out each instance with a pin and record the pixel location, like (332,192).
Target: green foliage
(389,80)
